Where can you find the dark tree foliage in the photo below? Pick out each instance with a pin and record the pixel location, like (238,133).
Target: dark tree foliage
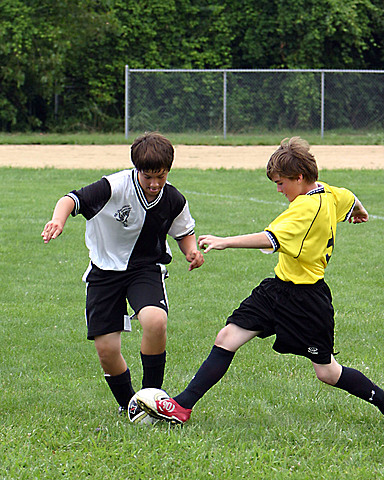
(62,63)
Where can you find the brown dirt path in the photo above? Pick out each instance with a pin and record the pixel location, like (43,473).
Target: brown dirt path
(248,157)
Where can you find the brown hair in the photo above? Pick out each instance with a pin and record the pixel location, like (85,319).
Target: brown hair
(152,152)
(291,159)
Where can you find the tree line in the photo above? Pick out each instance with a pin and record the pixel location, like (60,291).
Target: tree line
(62,63)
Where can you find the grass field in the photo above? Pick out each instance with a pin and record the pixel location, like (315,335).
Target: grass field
(268,418)
(256,138)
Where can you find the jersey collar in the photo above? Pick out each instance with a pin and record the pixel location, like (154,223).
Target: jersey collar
(140,193)
(318,189)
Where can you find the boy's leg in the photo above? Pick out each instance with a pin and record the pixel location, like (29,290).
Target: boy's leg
(178,409)
(153,370)
(153,356)
(358,384)
(105,309)
(116,372)
(351,380)
(228,341)
(121,387)
(210,372)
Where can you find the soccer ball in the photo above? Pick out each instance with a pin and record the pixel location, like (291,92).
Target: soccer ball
(136,414)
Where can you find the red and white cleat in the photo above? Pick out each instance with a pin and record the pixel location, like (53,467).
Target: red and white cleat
(162,408)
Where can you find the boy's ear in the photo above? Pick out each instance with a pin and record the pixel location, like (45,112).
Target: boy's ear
(300,178)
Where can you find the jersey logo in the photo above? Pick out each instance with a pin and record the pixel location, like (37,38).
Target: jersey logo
(313,350)
(122,214)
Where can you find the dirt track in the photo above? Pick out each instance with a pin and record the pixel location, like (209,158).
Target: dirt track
(117,156)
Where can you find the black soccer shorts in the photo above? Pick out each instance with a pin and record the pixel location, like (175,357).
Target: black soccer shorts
(108,292)
(301,317)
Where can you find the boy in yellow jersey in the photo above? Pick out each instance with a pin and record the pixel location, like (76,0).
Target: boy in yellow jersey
(295,305)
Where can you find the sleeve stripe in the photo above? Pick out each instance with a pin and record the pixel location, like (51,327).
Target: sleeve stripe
(77,203)
(273,239)
(191,232)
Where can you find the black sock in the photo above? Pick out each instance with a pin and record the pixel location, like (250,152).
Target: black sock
(210,372)
(121,387)
(358,384)
(153,370)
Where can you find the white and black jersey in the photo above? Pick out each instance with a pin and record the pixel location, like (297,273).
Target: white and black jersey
(123,229)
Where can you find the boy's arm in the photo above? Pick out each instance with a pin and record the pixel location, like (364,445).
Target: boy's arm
(188,246)
(359,213)
(253,240)
(55,226)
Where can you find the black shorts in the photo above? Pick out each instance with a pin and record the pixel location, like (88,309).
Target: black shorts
(301,317)
(108,292)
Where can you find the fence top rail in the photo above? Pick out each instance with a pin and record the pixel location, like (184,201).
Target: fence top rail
(249,70)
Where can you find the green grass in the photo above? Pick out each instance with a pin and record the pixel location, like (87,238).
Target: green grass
(268,418)
(254,138)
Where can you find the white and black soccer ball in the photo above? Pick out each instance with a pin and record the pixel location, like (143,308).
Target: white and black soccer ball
(136,414)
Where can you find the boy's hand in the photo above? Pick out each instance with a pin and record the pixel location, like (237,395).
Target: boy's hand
(55,226)
(52,230)
(195,259)
(209,242)
(358,218)
(359,213)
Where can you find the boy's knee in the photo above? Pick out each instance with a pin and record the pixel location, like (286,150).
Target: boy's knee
(153,321)
(328,376)
(158,325)
(106,349)
(222,336)
(323,377)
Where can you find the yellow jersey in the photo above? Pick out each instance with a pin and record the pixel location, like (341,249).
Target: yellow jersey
(304,234)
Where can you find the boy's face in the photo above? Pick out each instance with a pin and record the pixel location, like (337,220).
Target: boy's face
(152,182)
(289,187)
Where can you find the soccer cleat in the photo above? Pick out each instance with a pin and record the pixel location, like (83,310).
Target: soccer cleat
(165,409)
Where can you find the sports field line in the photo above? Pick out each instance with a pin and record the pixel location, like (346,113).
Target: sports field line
(234,197)
(256,200)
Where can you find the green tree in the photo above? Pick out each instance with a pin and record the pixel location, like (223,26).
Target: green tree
(62,63)
(307,33)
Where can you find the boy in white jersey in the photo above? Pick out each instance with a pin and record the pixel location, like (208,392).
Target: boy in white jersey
(129,215)
(296,305)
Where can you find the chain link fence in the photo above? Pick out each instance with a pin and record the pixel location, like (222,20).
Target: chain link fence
(247,101)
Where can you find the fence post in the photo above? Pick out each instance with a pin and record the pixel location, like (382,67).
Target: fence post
(126,101)
(322,104)
(225,104)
